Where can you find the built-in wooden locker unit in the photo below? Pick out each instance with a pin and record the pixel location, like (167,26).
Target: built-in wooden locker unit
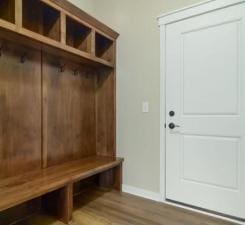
(57,108)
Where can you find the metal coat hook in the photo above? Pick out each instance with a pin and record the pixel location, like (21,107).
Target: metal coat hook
(1,48)
(75,72)
(87,73)
(23,57)
(62,68)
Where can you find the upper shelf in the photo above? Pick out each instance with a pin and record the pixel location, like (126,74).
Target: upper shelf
(45,25)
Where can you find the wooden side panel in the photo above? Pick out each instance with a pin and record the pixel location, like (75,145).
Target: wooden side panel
(106,113)
(118,178)
(112,178)
(68,112)
(20,110)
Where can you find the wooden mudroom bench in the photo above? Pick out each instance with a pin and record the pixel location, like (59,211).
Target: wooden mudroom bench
(57,108)
(19,189)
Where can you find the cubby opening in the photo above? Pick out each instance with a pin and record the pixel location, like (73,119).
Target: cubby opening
(83,186)
(90,189)
(104,47)
(78,35)
(35,211)
(106,180)
(41,18)
(7,10)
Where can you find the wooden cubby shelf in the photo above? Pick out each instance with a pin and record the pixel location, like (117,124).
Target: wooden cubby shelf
(104,47)
(41,18)
(7,10)
(78,35)
(40,25)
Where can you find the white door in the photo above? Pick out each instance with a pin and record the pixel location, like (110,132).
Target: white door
(205,87)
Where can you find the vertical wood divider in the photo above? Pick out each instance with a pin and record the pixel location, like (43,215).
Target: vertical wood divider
(63,27)
(18,14)
(44,117)
(93,42)
(40,19)
(115,98)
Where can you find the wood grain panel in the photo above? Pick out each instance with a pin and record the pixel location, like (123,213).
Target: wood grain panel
(69,112)
(20,111)
(106,113)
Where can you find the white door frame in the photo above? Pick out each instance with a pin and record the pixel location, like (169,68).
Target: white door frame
(163,20)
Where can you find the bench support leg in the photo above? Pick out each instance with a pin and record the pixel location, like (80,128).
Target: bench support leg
(66,204)
(60,203)
(118,178)
(112,178)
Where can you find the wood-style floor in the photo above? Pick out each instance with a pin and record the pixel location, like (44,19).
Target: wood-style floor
(98,207)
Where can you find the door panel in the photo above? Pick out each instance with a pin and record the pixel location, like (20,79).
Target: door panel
(210,58)
(205,77)
(200,151)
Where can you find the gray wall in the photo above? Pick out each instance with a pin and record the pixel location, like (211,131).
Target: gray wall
(138,134)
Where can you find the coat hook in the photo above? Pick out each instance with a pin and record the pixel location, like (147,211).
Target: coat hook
(62,68)
(75,72)
(23,57)
(1,48)
(87,73)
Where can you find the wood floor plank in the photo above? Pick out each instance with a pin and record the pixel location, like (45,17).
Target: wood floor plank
(124,209)
(102,207)
(41,220)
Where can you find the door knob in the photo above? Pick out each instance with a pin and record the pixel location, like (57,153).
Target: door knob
(172,126)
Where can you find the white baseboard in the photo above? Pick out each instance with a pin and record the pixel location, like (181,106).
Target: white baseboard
(141,193)
(158,197)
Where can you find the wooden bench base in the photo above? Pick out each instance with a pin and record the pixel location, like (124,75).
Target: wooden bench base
(52,188)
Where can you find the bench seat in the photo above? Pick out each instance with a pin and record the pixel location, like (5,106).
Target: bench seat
(19,189)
